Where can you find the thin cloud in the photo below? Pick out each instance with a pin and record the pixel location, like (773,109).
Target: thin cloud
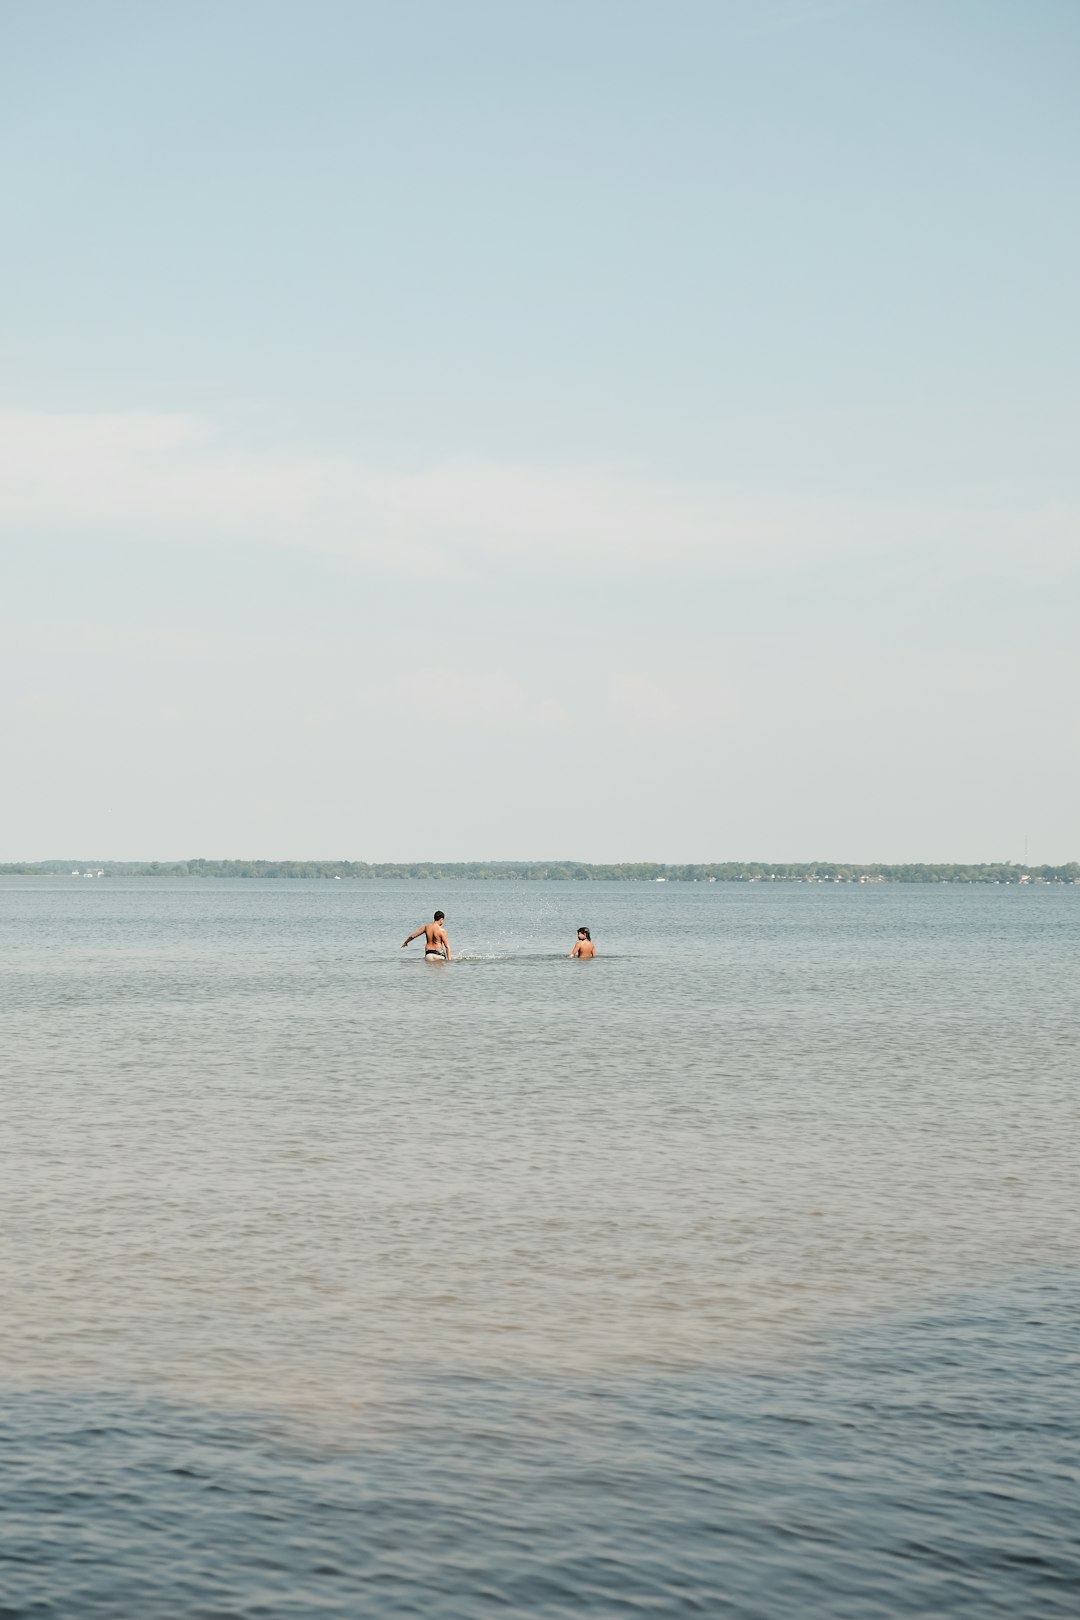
(161,478)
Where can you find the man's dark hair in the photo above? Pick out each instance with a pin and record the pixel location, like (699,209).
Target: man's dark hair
(439,915)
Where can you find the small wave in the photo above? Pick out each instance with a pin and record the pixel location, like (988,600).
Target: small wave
(511,956)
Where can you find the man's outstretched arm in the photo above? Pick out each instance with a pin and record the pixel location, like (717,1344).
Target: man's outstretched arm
(411,937)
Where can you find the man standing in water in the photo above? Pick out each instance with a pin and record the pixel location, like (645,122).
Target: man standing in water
(436,942)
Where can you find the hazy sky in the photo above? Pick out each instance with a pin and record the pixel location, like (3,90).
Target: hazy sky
(539,428)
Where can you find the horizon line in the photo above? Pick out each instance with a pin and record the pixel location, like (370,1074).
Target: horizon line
(181,866)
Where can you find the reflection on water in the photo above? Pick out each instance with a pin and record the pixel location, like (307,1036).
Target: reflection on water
(262,1160)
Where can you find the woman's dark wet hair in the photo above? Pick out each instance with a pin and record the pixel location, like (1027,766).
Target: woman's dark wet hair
(585,931)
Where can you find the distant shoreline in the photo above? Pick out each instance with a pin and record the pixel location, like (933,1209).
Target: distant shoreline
(561,871)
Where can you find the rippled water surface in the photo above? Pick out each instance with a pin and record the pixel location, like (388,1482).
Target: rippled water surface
(733,1272)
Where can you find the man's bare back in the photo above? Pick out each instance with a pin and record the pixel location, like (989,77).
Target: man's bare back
(436,940)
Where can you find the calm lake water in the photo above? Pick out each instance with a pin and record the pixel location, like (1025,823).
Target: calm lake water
(736,1272)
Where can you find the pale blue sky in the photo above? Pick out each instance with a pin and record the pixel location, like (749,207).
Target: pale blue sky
(606,429)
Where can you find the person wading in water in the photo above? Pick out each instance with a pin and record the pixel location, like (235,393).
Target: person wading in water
(436,942)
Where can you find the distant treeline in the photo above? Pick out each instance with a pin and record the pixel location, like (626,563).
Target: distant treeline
(547,871)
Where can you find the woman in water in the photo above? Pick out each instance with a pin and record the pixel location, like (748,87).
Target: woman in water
(584,947)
